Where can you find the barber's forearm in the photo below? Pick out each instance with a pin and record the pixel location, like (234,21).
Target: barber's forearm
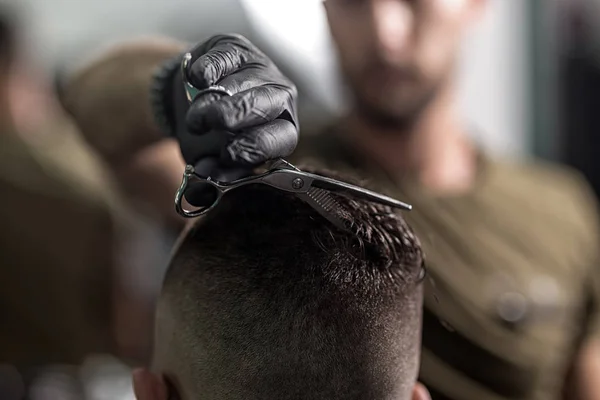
(110,97)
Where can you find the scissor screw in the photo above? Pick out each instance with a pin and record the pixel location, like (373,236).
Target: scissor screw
(297,183)
(189,169)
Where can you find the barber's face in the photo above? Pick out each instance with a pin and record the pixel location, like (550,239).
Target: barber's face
(396,54)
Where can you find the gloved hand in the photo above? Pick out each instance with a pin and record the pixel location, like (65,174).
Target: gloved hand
(225,137)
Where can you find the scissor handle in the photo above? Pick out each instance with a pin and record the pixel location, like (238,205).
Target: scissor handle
(187,175)
(192,93)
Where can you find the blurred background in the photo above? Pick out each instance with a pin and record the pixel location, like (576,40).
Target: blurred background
(528,70)
(530,83)
(496,63)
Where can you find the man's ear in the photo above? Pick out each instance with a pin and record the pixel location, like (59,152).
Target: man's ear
(420,392)
(148,386)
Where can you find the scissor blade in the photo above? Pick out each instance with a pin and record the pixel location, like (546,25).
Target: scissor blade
(334,185)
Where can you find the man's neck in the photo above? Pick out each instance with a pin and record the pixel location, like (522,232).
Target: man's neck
(435,151)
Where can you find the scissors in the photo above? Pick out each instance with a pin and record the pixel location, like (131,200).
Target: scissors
(313,189)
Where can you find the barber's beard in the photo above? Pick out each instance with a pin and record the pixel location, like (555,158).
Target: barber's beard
(398,119)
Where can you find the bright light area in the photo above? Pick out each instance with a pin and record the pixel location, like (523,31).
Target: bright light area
(298,26)
(297,30)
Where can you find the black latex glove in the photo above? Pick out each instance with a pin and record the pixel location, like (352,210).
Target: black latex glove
(225,137)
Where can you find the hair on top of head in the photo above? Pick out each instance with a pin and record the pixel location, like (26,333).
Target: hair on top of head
(376,231)
(377,235)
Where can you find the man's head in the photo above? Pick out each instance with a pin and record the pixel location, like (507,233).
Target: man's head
(397,55)
(265,299)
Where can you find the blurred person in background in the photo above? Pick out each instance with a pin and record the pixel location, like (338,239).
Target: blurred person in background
(512,247)
(63,293)
(58,230)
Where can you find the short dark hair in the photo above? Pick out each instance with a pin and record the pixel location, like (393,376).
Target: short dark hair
(268,300)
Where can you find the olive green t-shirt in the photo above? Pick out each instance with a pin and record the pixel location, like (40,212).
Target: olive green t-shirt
(514,274)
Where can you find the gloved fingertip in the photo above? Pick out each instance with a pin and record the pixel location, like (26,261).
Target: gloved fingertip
(203,72)
(205,166)
(211,112)
(259,144)
(196,123)
(230,173)
(201,194)
(204,100)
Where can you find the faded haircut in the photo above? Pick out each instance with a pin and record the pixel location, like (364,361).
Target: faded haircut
(266,299)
